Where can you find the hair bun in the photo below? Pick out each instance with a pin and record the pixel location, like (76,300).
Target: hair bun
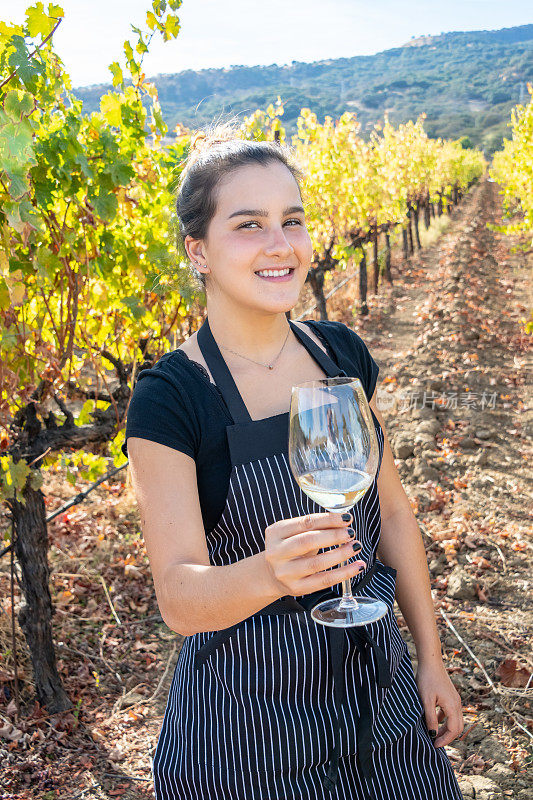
(219,134)
(198,141)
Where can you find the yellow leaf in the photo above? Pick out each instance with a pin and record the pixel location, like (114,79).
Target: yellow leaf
(17,292)
(110,108)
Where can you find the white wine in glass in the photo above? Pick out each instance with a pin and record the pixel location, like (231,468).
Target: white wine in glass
(334,456)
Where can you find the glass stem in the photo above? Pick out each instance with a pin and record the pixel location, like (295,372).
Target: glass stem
(348,600)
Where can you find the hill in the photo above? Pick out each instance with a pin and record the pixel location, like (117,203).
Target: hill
(465,81)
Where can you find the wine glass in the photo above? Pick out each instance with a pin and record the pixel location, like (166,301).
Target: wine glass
(334,456)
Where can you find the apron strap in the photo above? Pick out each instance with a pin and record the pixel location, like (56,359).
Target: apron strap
(337,646)
(328,365)
(221,374)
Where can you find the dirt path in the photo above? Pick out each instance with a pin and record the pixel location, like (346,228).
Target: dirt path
(454,395)
(448,327)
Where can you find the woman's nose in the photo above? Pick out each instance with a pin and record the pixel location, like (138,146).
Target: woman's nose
(278,243)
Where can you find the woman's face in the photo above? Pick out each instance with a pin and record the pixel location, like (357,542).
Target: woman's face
(259,225)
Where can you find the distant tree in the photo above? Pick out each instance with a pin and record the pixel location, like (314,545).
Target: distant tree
(501,96)
(370,100)
(493,142)
(466,142)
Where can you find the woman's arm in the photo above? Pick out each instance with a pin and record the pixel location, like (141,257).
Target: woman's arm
(401,547)
(192,594)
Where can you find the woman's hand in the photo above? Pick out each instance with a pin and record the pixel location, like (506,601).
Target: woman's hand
(436,689)
(292,558)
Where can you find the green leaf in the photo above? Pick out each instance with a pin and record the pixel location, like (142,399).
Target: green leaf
(159,121)
(106,205)
(20,55)
(12,212)
(18,104)
(18,184)
(8,339)
(128,51)
(16,144)
(18,473)
(121,173)
(84,164)
(71,477)
(27,214)
(36,479)
(47,263)
(5,302)
(136,309)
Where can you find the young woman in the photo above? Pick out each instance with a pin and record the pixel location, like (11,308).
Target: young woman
(265,704)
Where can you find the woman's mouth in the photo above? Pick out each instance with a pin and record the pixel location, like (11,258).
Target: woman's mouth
(276,275)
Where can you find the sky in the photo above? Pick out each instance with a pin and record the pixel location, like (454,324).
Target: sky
(222,34)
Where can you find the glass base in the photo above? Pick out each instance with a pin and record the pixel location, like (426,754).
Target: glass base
(337,613)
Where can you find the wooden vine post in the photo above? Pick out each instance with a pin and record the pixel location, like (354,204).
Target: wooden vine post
(405,243)
(315,278)
(363,308)
(427,212)
(388,274)
(415,221)
(375,255)
(410,230)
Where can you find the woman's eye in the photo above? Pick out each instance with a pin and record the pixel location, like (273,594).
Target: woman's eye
(251,222)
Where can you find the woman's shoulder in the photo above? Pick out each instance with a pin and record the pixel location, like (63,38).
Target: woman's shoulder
(177,369)
(172,403)
(169,383)
(181,378)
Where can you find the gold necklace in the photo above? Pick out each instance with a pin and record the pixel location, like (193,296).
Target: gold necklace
(270,366)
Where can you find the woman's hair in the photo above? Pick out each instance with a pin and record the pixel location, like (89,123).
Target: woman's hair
(213,154)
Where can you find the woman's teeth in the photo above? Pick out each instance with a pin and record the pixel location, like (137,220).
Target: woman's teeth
(271,273)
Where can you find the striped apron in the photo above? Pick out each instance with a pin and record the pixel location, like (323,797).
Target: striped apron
(278,707)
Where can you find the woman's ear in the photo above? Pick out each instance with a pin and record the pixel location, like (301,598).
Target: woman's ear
(193,248)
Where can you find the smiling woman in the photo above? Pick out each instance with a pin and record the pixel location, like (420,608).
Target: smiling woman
(235,546)
(212,161)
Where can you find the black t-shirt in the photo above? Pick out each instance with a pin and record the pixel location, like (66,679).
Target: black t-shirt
(174,403)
